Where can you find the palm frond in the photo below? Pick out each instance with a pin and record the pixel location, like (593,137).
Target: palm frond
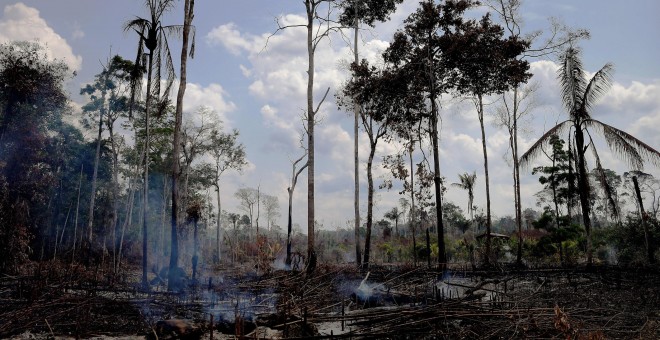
(537,148)
(173,31)
(605,185)
(571,79)
(170,73)
(177,31)
(597,87)
(625,145)
(135,83)
(138,24)
(159,7)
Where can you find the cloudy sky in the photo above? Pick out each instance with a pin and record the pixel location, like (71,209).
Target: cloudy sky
(261,90)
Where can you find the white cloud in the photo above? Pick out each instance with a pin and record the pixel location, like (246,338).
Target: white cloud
(229,36)
(213,96)
(20,22)
(279,81)
(78,33)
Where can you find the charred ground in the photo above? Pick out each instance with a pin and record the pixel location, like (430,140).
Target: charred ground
(338,302)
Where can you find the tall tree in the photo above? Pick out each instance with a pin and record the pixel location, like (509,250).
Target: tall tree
(227,154)
(32,99)
(487,64)
(354,13)
(152,36)
(101,84)
(394,215)
(520,102)
(271,209)
(467,182)
(247,198)
(418,51)
(318,28)
(107,99)
(294,179)
(382,97)
(579,95)
(188,15)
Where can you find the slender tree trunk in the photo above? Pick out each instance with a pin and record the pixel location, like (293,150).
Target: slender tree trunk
(176,147)
(195,256)
(442,256)
(145,195)
(163,222)
(66,221)
(289,229)
(311,253)
(294,181)
(92,198)
(516,177)
(370,202)
(258,206)
(642,215)
(412,202)
(396,225)
(218,220)
(584,190)
(115,193)
(480,109)
(570,202)
(75,223)
(127,222)
(356,160)
(428,248)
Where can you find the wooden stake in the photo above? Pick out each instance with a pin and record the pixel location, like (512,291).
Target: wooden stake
(211,327)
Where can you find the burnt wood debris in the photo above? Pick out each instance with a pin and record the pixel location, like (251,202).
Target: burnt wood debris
(135,215)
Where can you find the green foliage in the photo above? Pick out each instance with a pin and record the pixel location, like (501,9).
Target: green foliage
(628,241)
(558,178)
(32,101)
(366,11)
(453,216)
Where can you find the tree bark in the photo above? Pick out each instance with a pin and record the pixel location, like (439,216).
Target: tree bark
(92,197)
(370,203)
(310,5)
(145,198)
(356,160)
(412,202)
(75,223)
(583,189)
(480,112)
(115,193)
(516,177)
(218,219)
(442,256)
(176,147)
(294,181)
(642,213)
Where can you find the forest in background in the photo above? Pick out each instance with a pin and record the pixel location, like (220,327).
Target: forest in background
(110,200)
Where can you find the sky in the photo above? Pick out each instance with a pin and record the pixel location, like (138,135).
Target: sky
(260,89)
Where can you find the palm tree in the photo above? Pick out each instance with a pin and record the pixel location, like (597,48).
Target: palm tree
(467,184)
(579,95)
(152,35)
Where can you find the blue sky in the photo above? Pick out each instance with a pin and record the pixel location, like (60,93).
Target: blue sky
(261,91)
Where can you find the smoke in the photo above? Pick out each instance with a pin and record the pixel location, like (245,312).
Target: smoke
(366,291)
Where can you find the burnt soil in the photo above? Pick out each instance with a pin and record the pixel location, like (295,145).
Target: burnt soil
(403,303)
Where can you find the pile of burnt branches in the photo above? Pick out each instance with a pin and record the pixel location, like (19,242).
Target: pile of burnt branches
(417,303)
(342,301)
(65,300)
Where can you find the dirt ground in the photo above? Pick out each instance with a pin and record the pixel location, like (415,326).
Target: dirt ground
(396,302)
